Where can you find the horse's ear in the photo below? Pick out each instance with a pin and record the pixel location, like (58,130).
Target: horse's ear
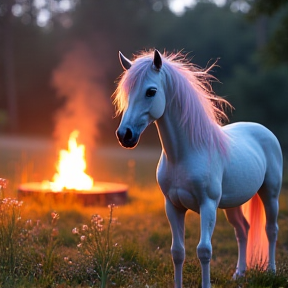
(125,63)
(157,62)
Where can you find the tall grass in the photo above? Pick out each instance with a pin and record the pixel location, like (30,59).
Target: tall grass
(10,232)
(27,248)
(97,246)
(38,248)
(130,252)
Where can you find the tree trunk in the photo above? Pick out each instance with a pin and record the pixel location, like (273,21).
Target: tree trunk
(261,32)
(9,69)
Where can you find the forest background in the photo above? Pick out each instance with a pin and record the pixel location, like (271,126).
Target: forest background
(59,60)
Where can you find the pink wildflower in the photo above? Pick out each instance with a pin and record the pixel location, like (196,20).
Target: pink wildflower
(84,227)
(75,231)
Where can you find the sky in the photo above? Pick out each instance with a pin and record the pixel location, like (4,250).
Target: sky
(178,6)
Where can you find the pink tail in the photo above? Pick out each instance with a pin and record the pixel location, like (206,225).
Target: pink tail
(257,246)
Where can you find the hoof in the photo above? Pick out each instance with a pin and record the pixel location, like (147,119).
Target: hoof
(238,274)
(271,269)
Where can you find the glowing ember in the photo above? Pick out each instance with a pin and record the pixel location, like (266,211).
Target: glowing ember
(71,168)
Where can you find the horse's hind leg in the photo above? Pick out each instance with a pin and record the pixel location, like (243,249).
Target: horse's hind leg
(237,220)
(269,195)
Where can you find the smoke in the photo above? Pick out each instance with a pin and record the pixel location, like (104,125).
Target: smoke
(80,84)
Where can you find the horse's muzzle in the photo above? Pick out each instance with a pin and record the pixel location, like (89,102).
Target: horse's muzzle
(127,137)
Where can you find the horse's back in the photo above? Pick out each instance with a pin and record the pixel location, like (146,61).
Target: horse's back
(256,137)
(253,154)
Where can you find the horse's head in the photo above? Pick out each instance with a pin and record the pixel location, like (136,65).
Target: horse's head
(145,103)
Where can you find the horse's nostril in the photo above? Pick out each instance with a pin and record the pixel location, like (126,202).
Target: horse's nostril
(128,134)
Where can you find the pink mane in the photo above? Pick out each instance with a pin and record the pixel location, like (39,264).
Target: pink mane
(200,110)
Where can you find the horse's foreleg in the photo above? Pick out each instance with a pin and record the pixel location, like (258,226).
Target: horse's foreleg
(237,220)
(204,249)
(176,219)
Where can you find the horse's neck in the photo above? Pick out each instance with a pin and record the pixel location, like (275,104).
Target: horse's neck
(174,140)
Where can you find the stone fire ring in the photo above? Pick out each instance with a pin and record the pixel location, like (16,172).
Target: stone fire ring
(102,194)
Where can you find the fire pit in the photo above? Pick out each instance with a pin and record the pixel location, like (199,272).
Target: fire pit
(72,182)
(101,194)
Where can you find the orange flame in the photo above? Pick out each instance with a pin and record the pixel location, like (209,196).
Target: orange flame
(71,168)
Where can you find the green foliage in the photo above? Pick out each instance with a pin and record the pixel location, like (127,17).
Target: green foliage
(261,97)
(206,31)
(98,248)
(103,262)
(256,278)
(267,6)
(10,234)
(42,259)
(277,46)
(27,249)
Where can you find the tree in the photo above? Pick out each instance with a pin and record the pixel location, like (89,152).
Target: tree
(8,63)
(44,14)
(206,31)
(277,47)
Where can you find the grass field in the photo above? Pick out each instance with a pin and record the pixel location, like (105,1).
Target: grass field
(64,245)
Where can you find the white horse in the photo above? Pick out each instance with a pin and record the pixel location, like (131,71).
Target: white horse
(203,166)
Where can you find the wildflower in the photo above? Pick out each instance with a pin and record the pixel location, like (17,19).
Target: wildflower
(96,219)
(55,232)
(3,183)
(66,259)
(29,223)
(4,201)
(100,246)
(14,202)
(55,218)
(85,227)
(75,231)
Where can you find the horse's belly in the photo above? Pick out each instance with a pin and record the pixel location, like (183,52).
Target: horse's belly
(241,186)
(235,200)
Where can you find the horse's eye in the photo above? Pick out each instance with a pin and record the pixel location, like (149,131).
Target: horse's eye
(151,92)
